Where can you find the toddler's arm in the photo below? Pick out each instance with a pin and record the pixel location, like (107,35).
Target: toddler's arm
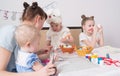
(37,66)
(101,38)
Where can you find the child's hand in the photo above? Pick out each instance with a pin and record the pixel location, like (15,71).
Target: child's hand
(65,39)
(95,30)
(100,29)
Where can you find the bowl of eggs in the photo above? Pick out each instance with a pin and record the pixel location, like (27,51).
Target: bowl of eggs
(67,48)
(82,51)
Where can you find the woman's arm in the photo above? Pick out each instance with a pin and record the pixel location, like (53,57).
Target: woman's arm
(5,57)
(5,73)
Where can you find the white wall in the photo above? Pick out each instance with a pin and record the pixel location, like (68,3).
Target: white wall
(106,12)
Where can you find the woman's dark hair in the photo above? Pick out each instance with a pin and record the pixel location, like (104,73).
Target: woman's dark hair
(31,11)
(84,19)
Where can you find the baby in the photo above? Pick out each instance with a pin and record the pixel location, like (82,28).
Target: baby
(27,38)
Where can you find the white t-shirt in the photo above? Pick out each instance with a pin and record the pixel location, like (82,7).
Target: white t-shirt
(55,37)
(25,61)
(83,36)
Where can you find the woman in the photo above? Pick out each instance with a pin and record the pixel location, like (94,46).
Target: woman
(32,15)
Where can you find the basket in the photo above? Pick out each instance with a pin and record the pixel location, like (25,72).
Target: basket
(67,49)
(84,50)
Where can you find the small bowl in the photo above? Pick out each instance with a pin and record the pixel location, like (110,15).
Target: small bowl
(84,50)
(67,49)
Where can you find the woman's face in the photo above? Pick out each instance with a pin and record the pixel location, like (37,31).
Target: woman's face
(89,26)
(39,23)
(55,27)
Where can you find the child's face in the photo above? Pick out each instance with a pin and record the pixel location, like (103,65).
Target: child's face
(55,27)
(88,26)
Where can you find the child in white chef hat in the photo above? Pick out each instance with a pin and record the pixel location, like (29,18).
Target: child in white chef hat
(57,34)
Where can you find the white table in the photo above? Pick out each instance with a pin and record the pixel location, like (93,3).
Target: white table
(74,65)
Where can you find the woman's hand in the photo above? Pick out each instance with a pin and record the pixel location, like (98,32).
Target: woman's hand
(51,68)
(47,70)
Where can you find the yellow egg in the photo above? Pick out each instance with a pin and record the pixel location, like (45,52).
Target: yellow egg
(84,47)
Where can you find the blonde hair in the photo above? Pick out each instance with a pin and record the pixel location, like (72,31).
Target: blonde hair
(26,33)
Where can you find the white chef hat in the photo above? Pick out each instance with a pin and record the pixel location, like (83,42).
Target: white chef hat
(54,16)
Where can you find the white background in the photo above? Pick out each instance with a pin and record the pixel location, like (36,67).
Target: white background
(106,12)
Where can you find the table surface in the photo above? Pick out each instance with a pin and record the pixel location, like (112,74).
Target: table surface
(74,65)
